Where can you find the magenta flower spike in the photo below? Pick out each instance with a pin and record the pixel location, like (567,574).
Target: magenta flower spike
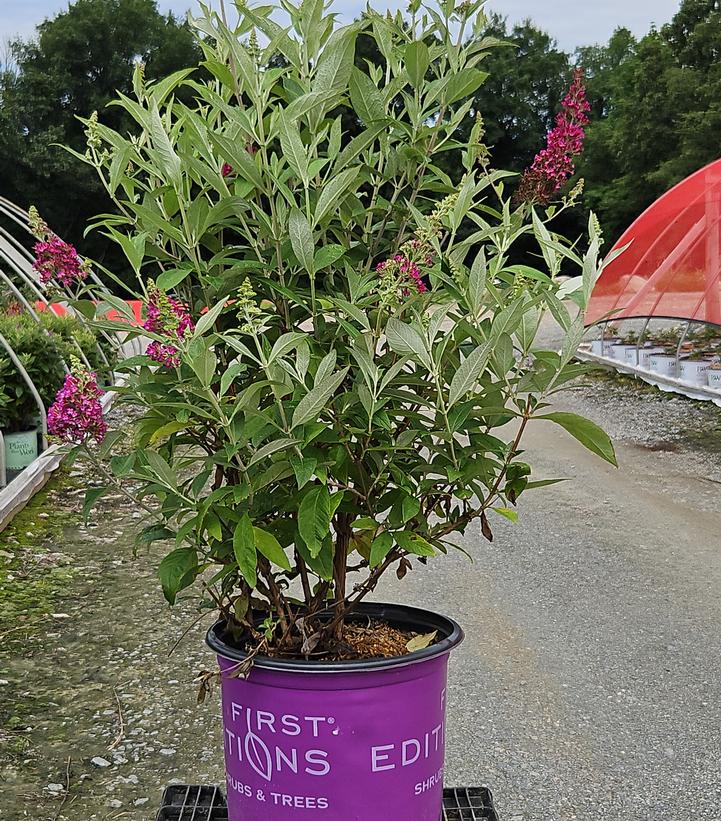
(76,416)
(170,318)
(553,166)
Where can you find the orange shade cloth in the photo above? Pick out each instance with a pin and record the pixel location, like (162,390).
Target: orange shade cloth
(672,267)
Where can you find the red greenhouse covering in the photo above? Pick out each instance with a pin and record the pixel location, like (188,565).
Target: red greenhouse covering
(672,267)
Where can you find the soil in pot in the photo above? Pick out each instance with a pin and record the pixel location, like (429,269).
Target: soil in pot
(356,740)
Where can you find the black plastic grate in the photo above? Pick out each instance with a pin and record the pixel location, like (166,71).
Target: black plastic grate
(468,804)
(183,802)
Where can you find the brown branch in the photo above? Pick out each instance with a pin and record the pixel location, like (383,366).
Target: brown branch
(121,731)
(67,789)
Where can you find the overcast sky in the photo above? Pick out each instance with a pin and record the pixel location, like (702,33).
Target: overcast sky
(571,22)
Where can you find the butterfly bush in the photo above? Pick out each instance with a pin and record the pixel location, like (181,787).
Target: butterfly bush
(553,166)
(169,318)
(349,359)
(76,416)
(55,260)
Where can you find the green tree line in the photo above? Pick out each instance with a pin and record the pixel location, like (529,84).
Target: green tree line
(656,104)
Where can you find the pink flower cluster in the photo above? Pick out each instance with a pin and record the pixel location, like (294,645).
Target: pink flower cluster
(57,260)
(76,415)
(405,270)
(167,317)
(553,165)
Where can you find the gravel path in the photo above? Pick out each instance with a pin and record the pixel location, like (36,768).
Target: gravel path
(588,686)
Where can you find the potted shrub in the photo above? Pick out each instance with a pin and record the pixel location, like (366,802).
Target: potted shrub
(622,347)
(694,367)
(19,410)
(338,379)
(714,376)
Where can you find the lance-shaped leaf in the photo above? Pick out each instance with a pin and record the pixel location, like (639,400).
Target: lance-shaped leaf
(332,192)
(168,159)
(588,433)
(269,546)
(366,98)
(310,406)
(292,147)
(177,571)
(469,372)
(407,341)
(301,238)
(314,518)
(244,549)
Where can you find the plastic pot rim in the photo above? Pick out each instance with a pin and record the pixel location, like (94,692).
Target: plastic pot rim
(397,615)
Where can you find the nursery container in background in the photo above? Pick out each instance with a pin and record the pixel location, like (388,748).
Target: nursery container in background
(619,349)
(714,377)
(21,449)
(662,363)
(645,354)
(340,740)
(693,371)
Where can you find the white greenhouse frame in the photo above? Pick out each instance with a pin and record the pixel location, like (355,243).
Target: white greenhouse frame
(16,269)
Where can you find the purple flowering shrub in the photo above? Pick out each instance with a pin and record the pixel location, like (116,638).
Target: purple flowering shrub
(56,261)
(553,165)
(333,363)
(76,416)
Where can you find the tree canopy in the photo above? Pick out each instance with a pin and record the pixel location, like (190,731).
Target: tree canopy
(656,103)
(77,63)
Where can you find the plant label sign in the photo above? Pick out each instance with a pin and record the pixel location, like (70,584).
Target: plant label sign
(336,746)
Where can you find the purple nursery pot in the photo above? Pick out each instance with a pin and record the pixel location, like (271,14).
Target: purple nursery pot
(340,741)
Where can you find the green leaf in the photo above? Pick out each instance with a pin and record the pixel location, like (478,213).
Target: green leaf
(167,429)
(304,468)
(418,59)
(358,144)
(271,448)
(380,548)
(407,341)
(226,380)
(293,148)
(508,513)
(162,470)
(467,376)
(322,564)
(314,518)
(269,546)
(588,433)
(332,192)
(413,543)
(285,343)
(91,497)
(204,364)
(169,160)
(244,549)
(301,239)
(208,319)
(327,255)
(477,282)
(365,97)
(170,279)
(310,406)
(336,61)
(120,305)
(177,571)
(464,84)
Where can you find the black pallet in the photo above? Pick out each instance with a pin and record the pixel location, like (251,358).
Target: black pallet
(183,802)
